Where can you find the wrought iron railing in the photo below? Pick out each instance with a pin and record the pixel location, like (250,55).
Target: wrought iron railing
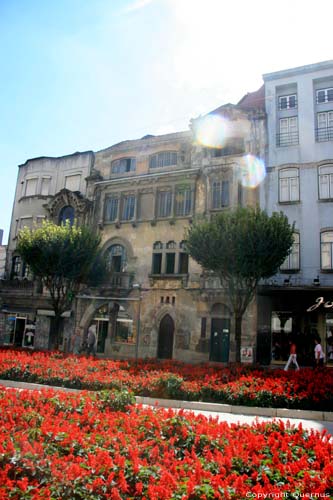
(324,134)
(287,139)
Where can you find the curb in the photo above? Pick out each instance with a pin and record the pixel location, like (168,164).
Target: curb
(323,416)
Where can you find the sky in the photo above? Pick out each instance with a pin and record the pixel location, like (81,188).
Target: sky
(79,75)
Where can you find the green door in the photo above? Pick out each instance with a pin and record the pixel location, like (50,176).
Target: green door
(220,340)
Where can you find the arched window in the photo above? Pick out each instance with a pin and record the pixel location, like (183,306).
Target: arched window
(67,213)
(158,245)
(116,258)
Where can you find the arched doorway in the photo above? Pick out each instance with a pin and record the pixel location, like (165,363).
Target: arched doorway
(220,333)
(165,338)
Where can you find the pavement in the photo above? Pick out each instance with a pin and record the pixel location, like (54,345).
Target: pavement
(316,420)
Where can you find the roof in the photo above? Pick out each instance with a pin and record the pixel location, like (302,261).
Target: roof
(253,100)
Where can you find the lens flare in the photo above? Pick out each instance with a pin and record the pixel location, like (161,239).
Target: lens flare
(211,131)
(252,172)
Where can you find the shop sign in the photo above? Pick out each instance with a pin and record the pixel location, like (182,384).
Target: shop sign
(318,302)
(246,355)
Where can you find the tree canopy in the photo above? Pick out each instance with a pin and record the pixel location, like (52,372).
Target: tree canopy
(241,246)
(63,257)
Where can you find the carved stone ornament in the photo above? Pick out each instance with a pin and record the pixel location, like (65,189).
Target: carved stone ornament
(65,198)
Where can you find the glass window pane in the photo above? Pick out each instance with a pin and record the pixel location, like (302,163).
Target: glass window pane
(170,263)
(157,263)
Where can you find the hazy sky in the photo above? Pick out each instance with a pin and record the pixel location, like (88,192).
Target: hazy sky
(81,75)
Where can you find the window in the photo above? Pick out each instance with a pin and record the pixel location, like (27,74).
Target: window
(124,329)
(184,201)
(16,267)
(128,207)
(170,257)
(288,185)
(170,263)
(157,257)
(325,174)
(324,131)
(326,247)
(220,194)
(164,202)
(157,263)
(111,208)
(123,165)
(31,187)
(324,95)
(67,214)
(183,258)
(72,182)
(45,186)
(163,159)
(183,263)
(288,131)
(115,257)
(26,222)
(288,102)
(292,261)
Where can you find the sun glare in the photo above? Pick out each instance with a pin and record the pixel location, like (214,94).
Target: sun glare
(211,131)
(252,171)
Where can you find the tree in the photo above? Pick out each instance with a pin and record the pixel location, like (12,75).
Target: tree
(63,258)
(241,246)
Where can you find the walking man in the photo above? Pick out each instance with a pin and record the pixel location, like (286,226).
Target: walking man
(292,356)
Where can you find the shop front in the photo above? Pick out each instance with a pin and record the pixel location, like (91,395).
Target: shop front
(298,316)
(17,329)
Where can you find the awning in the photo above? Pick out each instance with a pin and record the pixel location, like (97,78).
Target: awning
(49,312)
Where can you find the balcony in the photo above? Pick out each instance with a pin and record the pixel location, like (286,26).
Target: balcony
(287,139)
(12,285)
(324,134)
(122,281)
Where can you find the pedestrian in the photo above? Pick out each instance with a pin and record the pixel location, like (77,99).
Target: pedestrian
(91,340)
(292,356)
(318,352)
(76,341)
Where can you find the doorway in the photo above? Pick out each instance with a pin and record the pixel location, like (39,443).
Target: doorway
(220,340)
(165,338)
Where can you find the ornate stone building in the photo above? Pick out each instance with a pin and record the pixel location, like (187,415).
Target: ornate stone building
(142,196)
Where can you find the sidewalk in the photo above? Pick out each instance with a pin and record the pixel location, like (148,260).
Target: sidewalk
(317,420)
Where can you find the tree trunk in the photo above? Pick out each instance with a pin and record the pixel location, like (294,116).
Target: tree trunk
(238,336)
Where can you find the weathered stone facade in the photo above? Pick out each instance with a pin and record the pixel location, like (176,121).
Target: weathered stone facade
(142,196)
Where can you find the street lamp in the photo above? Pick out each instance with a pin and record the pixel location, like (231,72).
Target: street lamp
(137,286)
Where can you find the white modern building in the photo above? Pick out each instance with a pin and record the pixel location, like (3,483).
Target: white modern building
(299,182)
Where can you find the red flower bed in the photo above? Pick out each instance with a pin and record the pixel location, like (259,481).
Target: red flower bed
(75,446)
(306,389)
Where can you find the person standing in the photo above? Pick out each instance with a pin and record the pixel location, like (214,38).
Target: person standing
(319,353)
(91,340)
(292,356)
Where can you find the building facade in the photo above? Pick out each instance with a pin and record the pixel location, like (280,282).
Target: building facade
(141,196)
(299,182)
(47,188)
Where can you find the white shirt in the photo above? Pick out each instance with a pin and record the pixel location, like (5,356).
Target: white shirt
(319,349)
